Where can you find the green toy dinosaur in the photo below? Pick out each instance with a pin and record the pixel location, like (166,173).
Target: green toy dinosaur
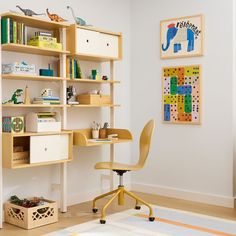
(15,96)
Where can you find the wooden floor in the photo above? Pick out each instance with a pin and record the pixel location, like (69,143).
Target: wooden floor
(82,213)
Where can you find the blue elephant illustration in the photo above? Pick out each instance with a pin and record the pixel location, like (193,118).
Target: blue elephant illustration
(178,35)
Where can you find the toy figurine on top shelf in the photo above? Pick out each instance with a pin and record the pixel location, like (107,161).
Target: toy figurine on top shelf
(71,96)
(14,98)
(78,20)
(29,12)
(55,17)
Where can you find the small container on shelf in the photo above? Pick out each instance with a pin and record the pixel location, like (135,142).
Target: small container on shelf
(43,122)
(94,99)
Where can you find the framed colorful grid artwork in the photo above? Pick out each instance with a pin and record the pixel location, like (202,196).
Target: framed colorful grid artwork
(181,94)
(181,37)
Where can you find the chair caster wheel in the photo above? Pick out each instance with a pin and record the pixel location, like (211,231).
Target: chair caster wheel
(95,210)
(137,207)
(102,222)
(151,218)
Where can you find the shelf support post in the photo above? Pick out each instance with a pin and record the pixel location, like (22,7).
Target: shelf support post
(112,121)
(63,169)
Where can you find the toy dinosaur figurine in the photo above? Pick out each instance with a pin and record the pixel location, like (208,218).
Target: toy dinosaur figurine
(54,17)
(16,94)
(29,12)
(78,20)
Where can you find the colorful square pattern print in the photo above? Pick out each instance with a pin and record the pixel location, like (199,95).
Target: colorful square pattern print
(181,94)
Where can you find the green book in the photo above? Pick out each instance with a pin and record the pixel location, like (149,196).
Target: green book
(5,30)
(14,32)
(78,70)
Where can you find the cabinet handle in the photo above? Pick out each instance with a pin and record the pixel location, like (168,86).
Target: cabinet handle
(108,44)
(87,40)
(45,149)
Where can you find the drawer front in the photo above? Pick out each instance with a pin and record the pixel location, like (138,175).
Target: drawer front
(64,146)
(88,42)
(110,45)
(48,148)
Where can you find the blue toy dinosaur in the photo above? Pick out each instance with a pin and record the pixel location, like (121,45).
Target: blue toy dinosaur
(78,20)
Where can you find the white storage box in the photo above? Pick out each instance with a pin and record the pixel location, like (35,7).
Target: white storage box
(43,122)
(19,68)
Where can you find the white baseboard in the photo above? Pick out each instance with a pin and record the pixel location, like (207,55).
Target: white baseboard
(184,194)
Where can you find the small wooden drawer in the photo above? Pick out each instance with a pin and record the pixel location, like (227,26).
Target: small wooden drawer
(93,99)
(33,217)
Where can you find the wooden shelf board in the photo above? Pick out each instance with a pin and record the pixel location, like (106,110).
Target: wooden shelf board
(19,166)
(32,77)
(93,81)
(91,57)
(97,143)
(34,21)
(31,49)
(103,105)
(25,134)
(30,105)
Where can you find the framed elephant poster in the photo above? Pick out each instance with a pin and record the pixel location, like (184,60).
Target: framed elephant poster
(181,37)
(181,94)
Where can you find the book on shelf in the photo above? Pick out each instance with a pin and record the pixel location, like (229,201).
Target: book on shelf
(73,69)
(13,31)
(47,102)
(47,98)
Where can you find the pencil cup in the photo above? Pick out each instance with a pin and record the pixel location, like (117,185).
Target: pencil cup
(95,133)
(102,133)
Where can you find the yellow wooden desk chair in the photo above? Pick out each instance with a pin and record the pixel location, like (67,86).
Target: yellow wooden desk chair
(120,169)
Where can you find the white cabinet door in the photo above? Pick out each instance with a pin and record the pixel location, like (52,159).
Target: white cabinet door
(88,42)
(48,148)
(64,146)
(110,45)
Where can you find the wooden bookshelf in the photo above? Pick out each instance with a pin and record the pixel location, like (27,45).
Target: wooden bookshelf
(93,81)
(21,48)
(32,77)
(36,22)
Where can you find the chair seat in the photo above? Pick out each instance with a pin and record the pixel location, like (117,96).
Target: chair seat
(115,166)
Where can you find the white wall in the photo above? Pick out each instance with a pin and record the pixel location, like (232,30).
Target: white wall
(83,181)
(186,161)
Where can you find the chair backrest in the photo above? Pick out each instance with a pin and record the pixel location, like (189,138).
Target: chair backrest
(145,142)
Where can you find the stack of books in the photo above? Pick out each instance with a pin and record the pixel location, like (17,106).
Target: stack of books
(73,70)
(13,31)
(47,100)
(45,40)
